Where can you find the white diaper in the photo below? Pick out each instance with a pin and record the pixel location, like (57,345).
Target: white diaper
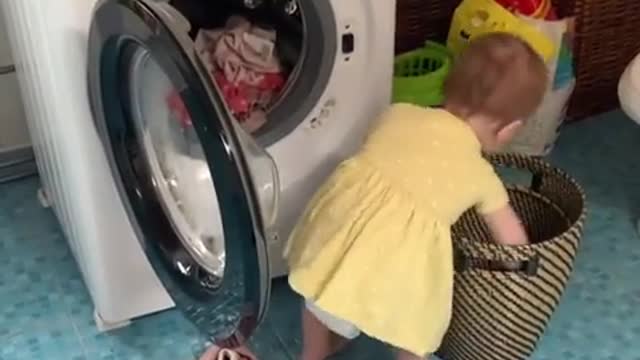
(339,326)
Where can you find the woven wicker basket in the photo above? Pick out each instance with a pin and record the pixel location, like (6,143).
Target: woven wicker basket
(607,38)
(419,20)
(504,296)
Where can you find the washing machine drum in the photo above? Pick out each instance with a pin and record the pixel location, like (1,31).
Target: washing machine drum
(629,90)
(305,46)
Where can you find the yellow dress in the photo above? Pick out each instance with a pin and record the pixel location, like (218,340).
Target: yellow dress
(374,246)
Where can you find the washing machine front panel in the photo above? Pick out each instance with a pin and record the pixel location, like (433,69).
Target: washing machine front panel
(309,79)
(201,193)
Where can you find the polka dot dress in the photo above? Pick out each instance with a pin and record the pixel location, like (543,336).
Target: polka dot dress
(374,246)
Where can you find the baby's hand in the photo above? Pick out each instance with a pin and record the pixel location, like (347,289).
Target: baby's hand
(515,241)
(506,228)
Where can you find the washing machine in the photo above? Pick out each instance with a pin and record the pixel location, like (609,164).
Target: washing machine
(157,215)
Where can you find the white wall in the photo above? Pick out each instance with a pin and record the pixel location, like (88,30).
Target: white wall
(13,127)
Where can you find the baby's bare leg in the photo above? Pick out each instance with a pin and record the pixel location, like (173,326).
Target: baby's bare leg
(318,341)
(405,355)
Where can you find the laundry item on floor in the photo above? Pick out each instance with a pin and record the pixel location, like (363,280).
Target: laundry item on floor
(241,59)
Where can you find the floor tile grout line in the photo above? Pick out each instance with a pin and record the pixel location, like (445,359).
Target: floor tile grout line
(70,319)
(283,345)
(85,348)
(33,324)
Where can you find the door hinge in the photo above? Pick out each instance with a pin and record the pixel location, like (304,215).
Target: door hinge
(7,69)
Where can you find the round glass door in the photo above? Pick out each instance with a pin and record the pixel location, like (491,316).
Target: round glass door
(169,159)
(199,191)
(177,167)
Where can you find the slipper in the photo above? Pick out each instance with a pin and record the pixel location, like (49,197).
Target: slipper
(217,353)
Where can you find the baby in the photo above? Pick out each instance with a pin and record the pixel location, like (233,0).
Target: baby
(373,251)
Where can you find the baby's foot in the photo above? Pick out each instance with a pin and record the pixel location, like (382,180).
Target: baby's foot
(217,353)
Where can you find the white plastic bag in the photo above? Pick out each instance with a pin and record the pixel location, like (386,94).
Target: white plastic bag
(541,129)
(554,30)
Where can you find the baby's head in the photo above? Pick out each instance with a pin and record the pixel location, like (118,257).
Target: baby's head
(494,85)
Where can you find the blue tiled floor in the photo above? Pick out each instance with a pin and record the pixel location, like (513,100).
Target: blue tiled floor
(45,312)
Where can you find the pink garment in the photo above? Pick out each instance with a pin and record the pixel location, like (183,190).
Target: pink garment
(179,110)
(251,123)
(244,52)
(236,96)
(241,60)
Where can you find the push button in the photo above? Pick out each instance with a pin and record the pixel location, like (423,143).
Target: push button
(348,43)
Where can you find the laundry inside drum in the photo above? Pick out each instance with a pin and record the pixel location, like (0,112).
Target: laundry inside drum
(252,50)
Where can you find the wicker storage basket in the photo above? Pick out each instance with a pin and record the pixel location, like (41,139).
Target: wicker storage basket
(419,20)
(607,38)
(504,296)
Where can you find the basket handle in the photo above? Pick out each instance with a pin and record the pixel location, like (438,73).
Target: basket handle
(526,267)
(474,255)
(534,164)
(536,182)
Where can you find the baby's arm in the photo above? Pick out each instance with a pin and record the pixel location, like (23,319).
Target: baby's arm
(505,226)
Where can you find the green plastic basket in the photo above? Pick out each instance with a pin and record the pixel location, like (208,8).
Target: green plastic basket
(418,75)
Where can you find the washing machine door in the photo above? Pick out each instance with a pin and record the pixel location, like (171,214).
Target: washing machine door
(200,192)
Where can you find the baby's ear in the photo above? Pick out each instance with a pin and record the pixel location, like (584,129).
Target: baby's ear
(509,131)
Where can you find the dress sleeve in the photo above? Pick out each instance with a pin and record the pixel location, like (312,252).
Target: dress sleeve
(493,194)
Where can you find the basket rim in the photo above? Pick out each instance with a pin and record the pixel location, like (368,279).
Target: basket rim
(503,160)
(577,224)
